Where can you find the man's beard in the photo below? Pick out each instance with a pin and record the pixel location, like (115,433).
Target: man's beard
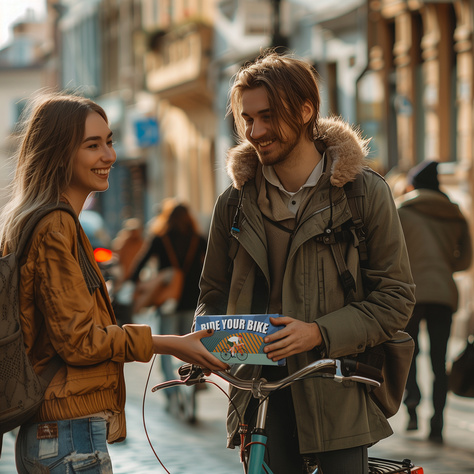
(272,158)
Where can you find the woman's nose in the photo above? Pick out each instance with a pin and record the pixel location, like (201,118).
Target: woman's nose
(110,154)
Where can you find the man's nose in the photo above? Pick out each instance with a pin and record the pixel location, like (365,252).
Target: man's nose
(258,130)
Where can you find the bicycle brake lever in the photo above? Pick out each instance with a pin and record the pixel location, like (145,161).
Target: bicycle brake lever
(189,375)
(167,384)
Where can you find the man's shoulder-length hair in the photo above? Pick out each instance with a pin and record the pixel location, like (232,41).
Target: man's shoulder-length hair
(289,83)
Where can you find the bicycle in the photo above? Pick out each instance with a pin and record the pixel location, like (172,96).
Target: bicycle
(252,454)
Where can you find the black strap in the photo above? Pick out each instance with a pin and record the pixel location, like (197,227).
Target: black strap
(33,221)
(354,191)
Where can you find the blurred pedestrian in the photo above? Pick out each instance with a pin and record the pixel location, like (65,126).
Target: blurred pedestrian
(127,244)
(65,154)
(439,244)
(175,236)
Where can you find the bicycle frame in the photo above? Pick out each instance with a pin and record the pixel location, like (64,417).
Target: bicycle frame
(338,370)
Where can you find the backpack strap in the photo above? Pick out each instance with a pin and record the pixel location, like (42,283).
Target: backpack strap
(33,221)
(91,277)
(354,192)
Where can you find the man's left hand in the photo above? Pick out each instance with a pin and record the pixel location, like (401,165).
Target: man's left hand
(297,336)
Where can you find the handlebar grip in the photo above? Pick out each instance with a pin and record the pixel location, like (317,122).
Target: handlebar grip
(354,367)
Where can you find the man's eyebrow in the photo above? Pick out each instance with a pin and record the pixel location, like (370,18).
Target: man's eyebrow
(91,139)
(263,111)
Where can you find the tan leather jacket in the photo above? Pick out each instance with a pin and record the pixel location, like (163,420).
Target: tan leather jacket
(59,316)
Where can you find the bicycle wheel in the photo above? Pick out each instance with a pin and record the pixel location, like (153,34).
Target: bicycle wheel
(242,356)
(225,355)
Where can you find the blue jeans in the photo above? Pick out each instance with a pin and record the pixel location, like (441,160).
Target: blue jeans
(64,447)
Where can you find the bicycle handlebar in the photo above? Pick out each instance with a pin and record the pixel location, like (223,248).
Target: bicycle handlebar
(339,370)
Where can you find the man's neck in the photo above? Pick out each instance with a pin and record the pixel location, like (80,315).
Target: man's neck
(294,172)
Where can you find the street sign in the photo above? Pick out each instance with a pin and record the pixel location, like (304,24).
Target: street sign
(146,131)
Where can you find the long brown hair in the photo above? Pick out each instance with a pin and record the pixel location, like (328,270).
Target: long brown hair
(174,217)
(289,83)
(51,131)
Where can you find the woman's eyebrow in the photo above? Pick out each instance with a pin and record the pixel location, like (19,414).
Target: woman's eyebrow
(90,139)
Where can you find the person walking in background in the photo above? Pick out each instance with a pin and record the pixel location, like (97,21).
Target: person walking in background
(267,255)
(439,244)
(127,245)
(175,238)
(65,154)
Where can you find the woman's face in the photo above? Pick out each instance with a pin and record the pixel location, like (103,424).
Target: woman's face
(93,160)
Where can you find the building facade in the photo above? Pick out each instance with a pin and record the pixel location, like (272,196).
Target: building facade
(421,71)
(178,74)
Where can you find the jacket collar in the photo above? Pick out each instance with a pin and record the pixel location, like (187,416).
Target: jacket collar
(346,150)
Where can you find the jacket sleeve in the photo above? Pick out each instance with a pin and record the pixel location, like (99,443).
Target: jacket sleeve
(463,253)
(78,324)
(388,283)
(215,277)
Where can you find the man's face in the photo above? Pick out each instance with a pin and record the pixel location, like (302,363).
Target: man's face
(259,132)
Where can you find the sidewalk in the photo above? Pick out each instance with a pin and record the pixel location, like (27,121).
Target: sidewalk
(200,448)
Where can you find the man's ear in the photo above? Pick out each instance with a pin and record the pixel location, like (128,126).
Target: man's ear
(307,111)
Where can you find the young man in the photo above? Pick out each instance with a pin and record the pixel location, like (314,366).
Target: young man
(290,169)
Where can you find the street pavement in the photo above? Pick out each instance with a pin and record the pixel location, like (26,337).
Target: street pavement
(200,448)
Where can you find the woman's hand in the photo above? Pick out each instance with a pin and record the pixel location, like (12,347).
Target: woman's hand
(189,348)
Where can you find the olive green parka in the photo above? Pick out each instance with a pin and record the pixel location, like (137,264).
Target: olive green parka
(438,243)
(236,280)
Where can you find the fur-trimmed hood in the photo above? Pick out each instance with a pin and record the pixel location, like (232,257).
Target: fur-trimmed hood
(346,148)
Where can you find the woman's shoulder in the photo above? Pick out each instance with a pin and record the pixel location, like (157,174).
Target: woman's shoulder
(56,224)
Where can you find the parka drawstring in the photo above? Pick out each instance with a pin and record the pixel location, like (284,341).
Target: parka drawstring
(235,222)
(328,228)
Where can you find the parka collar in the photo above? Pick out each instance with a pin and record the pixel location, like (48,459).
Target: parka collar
(345,147)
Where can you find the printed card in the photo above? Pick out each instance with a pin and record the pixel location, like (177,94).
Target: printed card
(239,339)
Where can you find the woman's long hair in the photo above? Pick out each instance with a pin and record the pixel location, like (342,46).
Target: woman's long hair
(174,218)
(51,132)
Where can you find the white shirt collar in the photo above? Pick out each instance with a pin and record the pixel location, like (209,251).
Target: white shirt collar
(271,176)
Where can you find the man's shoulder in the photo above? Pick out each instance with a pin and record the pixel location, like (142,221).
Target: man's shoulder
(364,183)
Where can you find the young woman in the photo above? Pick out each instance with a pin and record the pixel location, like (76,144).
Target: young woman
(65,154)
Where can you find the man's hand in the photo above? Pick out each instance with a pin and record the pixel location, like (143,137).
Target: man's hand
(296,337)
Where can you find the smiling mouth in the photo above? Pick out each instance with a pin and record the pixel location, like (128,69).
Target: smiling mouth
(265,143)
(101,171)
